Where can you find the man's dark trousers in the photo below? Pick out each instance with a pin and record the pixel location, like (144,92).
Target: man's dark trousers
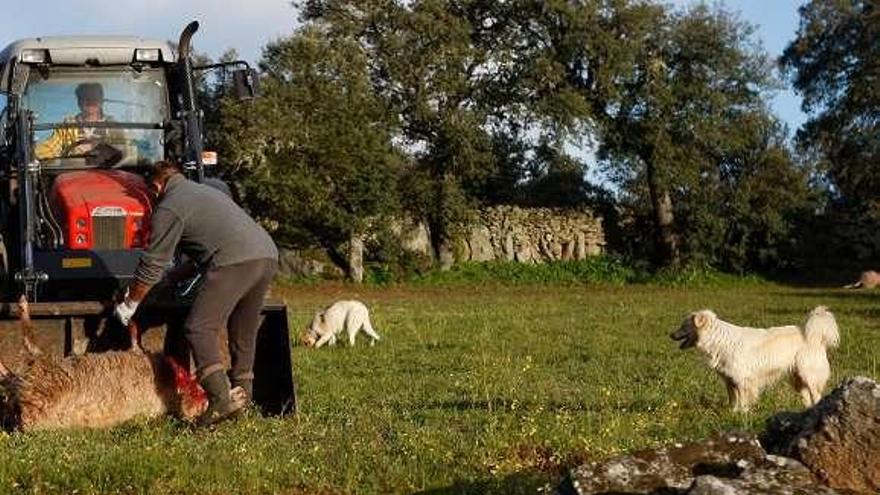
(232,297)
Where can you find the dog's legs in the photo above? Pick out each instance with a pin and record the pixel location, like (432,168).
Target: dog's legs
(324,339)
(351,325)
(746,396)
(739,403)
(813,372)
(371,332)
(798,384)
(816,392)
(731,391)
(736,394)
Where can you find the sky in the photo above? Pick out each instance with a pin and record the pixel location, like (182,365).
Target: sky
(248,25)
(776,23)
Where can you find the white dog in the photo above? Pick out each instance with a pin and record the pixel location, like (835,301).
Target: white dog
(350,316)
(748,359)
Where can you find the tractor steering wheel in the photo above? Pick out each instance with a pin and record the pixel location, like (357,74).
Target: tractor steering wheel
(66,151)
(100,154)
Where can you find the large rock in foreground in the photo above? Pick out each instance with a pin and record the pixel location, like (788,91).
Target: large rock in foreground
(838,438)
(731,464)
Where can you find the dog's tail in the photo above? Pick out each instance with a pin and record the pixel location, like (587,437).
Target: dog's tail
(821,328)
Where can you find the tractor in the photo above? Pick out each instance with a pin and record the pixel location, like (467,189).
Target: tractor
(74,204)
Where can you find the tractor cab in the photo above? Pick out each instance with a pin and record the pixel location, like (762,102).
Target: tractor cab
(88,118)
(85,118)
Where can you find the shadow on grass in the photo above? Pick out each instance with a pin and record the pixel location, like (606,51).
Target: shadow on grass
(834,293)
(505,404)
(833,299)
(527,482)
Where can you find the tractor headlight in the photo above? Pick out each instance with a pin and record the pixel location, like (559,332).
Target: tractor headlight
(35,56)
(147,55)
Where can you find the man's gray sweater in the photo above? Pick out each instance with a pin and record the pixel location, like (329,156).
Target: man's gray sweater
(207,225)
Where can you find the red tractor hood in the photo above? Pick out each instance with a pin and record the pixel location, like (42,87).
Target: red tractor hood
(86,200)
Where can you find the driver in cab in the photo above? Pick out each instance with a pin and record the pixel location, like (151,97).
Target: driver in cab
(81,140)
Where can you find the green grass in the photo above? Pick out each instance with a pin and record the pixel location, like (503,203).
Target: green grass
(474,389)
(607,270)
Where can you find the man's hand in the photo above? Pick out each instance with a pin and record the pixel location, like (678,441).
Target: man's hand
(130,300)
(125,310)
(83,147)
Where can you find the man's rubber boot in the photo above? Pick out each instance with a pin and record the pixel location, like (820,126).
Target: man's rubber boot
(221,406)
(242,388)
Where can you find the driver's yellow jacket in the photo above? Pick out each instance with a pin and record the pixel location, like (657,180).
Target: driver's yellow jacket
(63,139)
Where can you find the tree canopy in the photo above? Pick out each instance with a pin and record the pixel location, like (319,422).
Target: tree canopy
(314,154)
(429,108)
(834,63)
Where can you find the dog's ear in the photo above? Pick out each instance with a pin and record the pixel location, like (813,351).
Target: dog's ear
(700,319)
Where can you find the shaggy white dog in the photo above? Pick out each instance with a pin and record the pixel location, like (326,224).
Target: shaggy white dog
(748,359)
(348,316)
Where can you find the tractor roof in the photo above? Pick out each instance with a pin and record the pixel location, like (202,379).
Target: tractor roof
(82,50)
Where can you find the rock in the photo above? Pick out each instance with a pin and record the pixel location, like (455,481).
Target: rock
(838,439)
(527,235)
(729,464)
(580,251)
(508,252)
(481,244)
(461,250)
(415,238)
(293,263)
(524,252)
(710,485)
(446,255)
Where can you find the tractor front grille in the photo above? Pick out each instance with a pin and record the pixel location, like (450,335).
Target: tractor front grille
(108,232)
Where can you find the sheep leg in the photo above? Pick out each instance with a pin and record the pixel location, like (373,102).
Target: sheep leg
(27,327)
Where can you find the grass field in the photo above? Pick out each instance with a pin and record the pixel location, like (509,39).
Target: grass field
(474,389)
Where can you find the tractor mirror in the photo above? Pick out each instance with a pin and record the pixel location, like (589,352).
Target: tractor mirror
(245,83)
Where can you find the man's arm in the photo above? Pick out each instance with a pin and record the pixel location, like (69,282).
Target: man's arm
(53,145)
(166,230)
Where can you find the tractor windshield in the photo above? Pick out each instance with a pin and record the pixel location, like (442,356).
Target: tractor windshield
(97,117)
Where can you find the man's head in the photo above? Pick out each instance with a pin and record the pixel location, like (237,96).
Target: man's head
(90,97)
(162,171)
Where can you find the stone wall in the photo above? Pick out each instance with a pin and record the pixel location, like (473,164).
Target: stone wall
(501,233)
(530,235)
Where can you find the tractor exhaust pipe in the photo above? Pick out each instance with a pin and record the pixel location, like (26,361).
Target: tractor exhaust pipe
(191,115)
(184,46)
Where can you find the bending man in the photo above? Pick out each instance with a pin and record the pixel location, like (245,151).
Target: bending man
(239,259)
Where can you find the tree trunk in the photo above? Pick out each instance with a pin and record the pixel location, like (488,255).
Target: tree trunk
(666,239)
(356,258)
(337,258)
